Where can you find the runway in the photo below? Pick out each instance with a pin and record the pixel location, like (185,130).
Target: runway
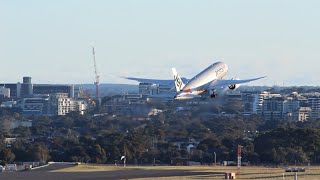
(99,172)
(46,173)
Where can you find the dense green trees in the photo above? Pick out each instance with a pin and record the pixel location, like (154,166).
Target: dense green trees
(289,145)
(105,139)
(6,155)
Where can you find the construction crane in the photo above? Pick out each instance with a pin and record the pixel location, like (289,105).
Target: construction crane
(97,77)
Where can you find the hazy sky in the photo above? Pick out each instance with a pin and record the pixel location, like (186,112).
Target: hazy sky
(51,40)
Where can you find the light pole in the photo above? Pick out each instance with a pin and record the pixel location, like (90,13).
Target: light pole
(215,158)
(124,160)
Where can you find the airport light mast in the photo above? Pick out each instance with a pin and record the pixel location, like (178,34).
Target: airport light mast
(97,77)
(239,159)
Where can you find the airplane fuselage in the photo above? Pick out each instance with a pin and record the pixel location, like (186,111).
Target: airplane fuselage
(196,85)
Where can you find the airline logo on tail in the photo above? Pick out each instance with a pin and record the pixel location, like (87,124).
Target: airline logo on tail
(177,80)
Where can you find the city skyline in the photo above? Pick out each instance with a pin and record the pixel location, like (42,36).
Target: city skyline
(51,41)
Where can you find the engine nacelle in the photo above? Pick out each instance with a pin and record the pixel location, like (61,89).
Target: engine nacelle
(234,86)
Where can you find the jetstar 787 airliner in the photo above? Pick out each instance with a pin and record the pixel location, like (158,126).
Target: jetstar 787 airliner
(207,80)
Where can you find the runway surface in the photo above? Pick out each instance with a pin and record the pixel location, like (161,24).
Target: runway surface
(46,173)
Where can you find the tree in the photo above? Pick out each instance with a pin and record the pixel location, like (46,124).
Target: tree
(22,132)
(97,154)
(39,152)
(6,155)
(5,123)
(67,122)
(288,145)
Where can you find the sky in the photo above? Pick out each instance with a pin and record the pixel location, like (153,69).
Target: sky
(51,40)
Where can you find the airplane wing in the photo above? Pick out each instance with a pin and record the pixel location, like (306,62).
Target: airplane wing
(219,83)
(154,81)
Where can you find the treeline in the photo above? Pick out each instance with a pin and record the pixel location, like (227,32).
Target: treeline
(161,139)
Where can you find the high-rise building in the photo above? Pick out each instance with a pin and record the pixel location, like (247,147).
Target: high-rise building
(314,104)
(163,89)
(13,88)
(36,106)
(53,88)
(61,104)
(302,114)
(81,106)
(148,88)
(26,87)
(272,108)
(4,92)
(253,101)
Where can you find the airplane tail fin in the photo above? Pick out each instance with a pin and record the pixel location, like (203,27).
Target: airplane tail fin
(177,80)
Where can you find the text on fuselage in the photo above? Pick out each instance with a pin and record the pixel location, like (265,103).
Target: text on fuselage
(219,71)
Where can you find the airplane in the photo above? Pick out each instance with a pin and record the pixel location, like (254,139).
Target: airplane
(207,80)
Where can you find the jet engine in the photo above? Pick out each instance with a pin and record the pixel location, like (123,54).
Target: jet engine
(212,93)
(234,86)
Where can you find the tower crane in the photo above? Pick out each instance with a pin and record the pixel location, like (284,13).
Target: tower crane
(97,77)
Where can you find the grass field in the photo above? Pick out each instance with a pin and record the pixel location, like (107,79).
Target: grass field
(195,172)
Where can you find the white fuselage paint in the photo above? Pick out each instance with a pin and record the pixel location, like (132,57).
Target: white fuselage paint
(197,84)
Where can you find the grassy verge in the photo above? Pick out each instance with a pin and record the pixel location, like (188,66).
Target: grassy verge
(196,172)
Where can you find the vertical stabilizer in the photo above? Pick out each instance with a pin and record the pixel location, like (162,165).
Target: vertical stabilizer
(177,80)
